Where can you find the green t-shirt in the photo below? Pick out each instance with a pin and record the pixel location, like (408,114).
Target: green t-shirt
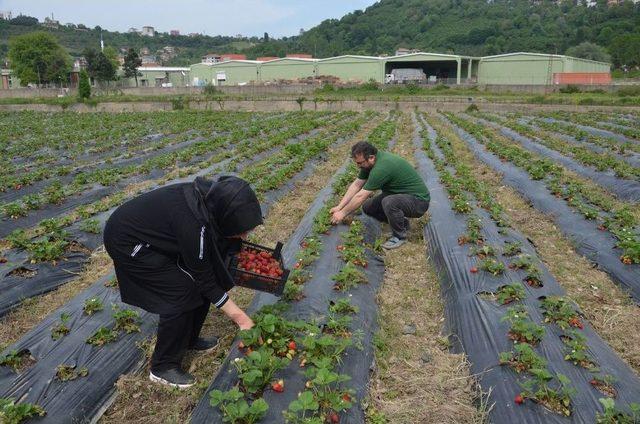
(394,175)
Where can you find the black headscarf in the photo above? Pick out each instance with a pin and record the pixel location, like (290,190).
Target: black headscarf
(233,206)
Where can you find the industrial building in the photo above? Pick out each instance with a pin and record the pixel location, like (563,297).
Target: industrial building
(505,69)
(425,68)
(541,69)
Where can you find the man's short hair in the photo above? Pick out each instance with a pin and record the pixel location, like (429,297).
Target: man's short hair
(363,148)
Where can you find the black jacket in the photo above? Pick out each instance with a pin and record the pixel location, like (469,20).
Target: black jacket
(169,245)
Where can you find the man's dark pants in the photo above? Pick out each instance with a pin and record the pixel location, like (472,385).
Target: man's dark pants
(395,209)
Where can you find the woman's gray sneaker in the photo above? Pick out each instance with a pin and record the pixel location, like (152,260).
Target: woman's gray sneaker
(393,243)
(204,345)
(173,377)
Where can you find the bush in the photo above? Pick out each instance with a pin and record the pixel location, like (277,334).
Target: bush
(84,86)
(440,87)
(177,103)
(210,90)
(371,85)
(412,88)
(472,108)
(569,89)
(632,90)
(328,88)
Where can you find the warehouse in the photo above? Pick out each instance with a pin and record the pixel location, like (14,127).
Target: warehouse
(232,72)
(287,68)
(444,68)
(541,69)
(350,68)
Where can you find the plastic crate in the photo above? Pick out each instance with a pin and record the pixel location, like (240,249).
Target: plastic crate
(254,281)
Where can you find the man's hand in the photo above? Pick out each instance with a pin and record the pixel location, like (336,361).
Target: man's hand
(334,210)
(237,315)
(337,217)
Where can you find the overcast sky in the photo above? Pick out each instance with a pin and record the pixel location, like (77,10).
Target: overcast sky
(212,17)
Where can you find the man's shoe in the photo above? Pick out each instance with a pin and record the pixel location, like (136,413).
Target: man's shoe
(204,345)
(393,243)
(173,377)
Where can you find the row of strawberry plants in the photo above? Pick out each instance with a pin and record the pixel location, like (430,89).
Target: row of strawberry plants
(571,130)
(619,219)
(133,135)
(596,120)
(543,386)
(600,161)
(274,342)
(523,331)
(30,137)
(56,193)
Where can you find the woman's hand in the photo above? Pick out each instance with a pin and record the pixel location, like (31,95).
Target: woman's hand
(245,324)
(237,315)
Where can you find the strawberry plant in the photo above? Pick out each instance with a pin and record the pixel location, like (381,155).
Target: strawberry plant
(556,398)
(352,250)
(15,413)
(605,384)
(523,330)
(510,293)
(533,277)
(492,266)
(92,305)
(293,291)
(256,369)
(69,372)
(522,262)
(303,409)
(322,221)
(61,329)
(324,385)
(235,409)
(48,248)
(557,309)
(576,350)
(112,283)
(483,251)
(127,320)
(523,358)
(91,226)
(613,415)
(18,360)
(102,336)
(348,277)
(473,235)
(18,239)
(14,210)
(338,325)
(343,306)
(324,347)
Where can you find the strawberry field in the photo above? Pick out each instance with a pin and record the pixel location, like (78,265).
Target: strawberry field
(543,339)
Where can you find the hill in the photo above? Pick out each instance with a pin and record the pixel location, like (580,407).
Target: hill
(470,27)
(78,37)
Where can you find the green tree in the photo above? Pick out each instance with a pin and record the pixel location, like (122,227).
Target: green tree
(99,66)
(112,54)
(38,58)
(84,86)
(625,50)
(589,51)
(131,64)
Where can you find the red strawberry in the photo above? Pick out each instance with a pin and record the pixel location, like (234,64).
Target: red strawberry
(292,345)
(519,399)
(278,386)
(333,418)
(474,269)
